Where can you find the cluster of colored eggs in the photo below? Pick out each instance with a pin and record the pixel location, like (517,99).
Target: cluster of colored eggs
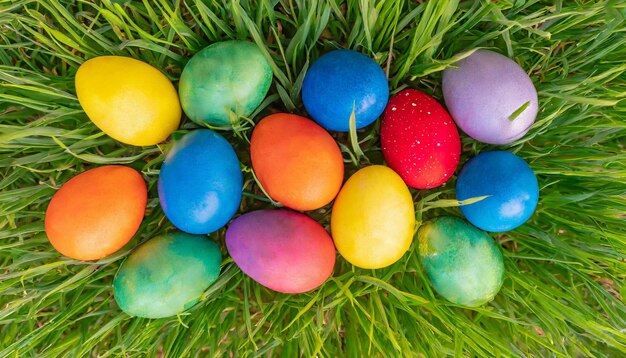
(298,164)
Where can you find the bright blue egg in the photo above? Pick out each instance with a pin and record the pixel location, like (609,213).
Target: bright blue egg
(340,81)
(511,185)
(200,182)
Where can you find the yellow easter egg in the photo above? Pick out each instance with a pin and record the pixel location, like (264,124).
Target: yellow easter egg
(373,218)
(127,99)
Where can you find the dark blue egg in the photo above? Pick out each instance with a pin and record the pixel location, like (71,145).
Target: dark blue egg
(340,81)
(200,182)
(511,185)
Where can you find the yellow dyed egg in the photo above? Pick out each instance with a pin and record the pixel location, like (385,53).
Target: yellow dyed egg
(127,99)
(373,218)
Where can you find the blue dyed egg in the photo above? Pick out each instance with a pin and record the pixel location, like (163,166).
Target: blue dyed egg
(510,184)
(200,182)
(341,81)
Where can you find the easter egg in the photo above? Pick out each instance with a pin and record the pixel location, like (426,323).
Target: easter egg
(296,161)
(127,99)
(463,264)
(490,97)
(419,139)
(343,81)
(373,218)
(166,275)
(282,250)
(200,182)
(224,81)
(97,212)
(509,183)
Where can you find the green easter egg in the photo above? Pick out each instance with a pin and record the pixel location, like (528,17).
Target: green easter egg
(166,275)
(462,262)
(224,81)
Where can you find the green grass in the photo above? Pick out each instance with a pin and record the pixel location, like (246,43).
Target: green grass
(564,289)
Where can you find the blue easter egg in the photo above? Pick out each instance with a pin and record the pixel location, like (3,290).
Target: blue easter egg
(511,185)
(200,182)
(341,81)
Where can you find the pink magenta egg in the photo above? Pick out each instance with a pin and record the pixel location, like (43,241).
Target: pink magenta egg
(419,139)
(282,250)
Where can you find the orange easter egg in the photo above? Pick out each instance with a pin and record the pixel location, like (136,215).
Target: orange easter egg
(296,161)
(96,212)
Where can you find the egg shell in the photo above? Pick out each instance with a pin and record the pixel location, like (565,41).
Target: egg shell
(296,161)
(282,250)
(166,275)
(511,185)
(373,218)
(419,139)
(485,92)
(97,212)
(464,264)
(224,81)
(341,81)
(127,99)
(200,182)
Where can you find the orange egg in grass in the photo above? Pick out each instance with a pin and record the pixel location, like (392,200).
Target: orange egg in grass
(96,212)
(296,161)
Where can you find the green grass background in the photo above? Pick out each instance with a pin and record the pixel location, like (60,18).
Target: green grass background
(564,286)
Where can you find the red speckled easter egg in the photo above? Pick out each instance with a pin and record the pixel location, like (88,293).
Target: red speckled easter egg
(419,139)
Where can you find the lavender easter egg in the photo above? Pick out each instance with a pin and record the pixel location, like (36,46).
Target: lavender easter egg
(490,97)
(282,250)
(510,187)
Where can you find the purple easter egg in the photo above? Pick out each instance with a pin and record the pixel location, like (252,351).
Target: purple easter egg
(490,97)
(282,250)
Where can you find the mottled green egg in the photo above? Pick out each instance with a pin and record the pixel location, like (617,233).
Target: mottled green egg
(166,275)
(462,262)
(224,81)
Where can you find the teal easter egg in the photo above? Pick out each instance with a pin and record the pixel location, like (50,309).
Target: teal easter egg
(463,263)
(223,82)
(166,275)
